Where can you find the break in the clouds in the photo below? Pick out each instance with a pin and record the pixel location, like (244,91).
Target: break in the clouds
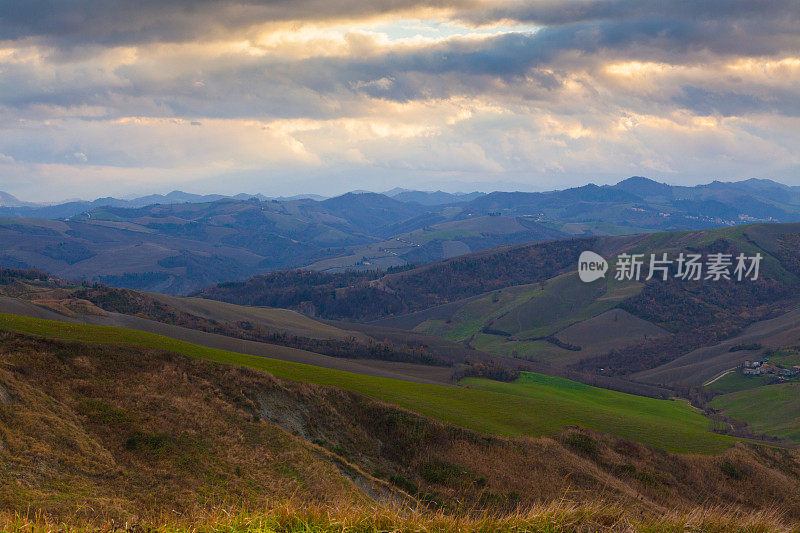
(280,97)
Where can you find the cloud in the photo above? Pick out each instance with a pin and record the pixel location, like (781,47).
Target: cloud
(503,90)
(561,12)
(124,22)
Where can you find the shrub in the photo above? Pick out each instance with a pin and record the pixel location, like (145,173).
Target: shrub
(404,483)
(732,470)
(582,443)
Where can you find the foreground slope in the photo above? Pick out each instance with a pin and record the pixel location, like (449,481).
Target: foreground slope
(93,432)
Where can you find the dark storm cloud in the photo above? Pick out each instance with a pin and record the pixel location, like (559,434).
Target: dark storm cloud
(111,22)
(735,103)
(729,26)
(541,58)
(574,35)
(560,12)
(536,63)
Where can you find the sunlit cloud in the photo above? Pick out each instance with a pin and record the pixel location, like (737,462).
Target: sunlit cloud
(264,96)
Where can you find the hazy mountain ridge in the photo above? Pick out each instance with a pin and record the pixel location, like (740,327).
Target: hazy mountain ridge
(9,200)
(10,206)
(637,188)
(432,197)
(187,242)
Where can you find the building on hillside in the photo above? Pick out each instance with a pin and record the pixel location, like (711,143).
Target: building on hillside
(765,367)
(769,368)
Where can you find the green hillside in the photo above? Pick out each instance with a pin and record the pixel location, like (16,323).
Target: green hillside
(515,320)
(766,406)
(516,410)
(737,382)
(616,412)
(772,409)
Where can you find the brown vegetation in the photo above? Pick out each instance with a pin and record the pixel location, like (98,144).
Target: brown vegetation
(302,517)
(113,431)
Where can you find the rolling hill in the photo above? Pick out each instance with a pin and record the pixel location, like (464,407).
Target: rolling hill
(527,303)
(288,335)
(179,242)
(258,331)
(180,247)
(440,241)
(193,394)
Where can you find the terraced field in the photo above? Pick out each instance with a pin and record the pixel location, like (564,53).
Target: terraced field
(536,405)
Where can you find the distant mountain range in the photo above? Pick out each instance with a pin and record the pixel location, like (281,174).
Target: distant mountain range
(180,242)
(717,202)
(11,206)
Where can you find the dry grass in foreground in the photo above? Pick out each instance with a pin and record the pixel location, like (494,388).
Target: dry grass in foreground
(301,517)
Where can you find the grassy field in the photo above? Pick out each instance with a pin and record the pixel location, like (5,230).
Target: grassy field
(530,350)
(772,409)
(786,358)
(534,310)
(750,239)
(474,314)
(615,412)
(564,300)
(736,381)
(279,319)
(422,236)
(534,406)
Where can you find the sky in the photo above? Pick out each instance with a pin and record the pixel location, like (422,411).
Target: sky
(279,97)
